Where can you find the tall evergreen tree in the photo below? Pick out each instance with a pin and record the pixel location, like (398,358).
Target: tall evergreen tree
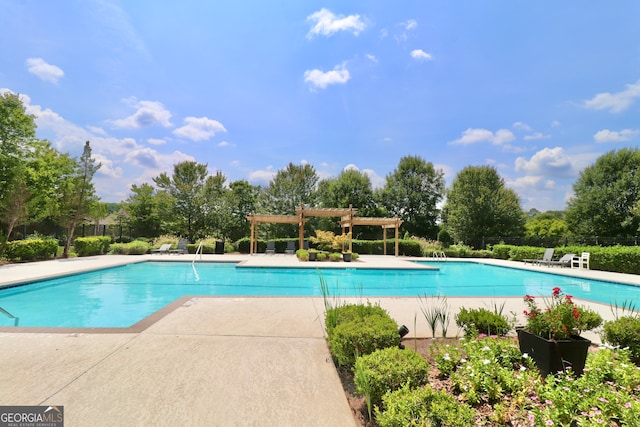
(78,195)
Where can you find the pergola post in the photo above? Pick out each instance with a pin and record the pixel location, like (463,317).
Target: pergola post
(301,228)
(397,232)
(384,240)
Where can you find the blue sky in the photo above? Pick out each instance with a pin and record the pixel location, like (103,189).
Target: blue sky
(537,89)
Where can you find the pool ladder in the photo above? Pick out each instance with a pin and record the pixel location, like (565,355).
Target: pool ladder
(439,256)
(16,320)
(198,251)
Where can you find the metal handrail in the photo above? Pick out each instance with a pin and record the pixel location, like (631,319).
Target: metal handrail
(198,251)
(16,320)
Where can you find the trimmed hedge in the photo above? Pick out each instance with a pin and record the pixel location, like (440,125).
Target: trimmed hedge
(88,246)
(355,330)
(619,259)
(624,332)
(137,247)
(423,407)
(31,249)
(387,370)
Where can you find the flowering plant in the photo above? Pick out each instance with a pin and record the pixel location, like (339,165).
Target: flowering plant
(561,318)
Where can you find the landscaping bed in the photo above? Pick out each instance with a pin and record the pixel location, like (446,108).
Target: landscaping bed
(594,399)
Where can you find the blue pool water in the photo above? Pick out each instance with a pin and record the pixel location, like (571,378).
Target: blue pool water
(120,297)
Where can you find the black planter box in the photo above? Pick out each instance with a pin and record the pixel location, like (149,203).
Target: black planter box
(313,256)
(552,356)
(346,257)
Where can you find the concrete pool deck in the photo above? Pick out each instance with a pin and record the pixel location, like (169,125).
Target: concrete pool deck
(215,361)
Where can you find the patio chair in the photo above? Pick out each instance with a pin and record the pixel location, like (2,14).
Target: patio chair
(565,261)
(182,247)
(271,248)
(581,262)
(291,247)
(548,256)
(163,249)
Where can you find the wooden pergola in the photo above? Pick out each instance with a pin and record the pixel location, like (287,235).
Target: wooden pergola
(347,221)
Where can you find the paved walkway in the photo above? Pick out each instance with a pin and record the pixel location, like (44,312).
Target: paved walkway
(210,361)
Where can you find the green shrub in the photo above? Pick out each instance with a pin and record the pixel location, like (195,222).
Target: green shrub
(302,254)
(445,238)
(354,330)
(87,246)
(423,407)
(482,321)
(31,249)
(335,256)
(624,332)
(348,312)
(389,369)
(321,256)
(137,247)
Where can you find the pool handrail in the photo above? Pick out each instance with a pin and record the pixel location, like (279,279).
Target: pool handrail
(16,320)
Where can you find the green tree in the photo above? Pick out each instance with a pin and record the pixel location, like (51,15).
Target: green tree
(478,205)
(412,193)
(17,129)
(241,200)
(606,196)
(78,194)
(546,228)
(185,189)
(290,188)
(351,187)
(142,209)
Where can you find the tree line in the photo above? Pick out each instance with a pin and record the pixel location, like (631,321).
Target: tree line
(50,190)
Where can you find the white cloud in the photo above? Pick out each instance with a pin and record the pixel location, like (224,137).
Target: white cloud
(148,113)
(44,71)
(615,102)
(555,123)
(522,126)
(472,136)
(223,144)
(371,57)
(421,55)
(529,182)
(199,128)
(262,176)
(546,162)
(319,79)
(536,135)
(156,141)
(325,23)
(607,135)
(409,25)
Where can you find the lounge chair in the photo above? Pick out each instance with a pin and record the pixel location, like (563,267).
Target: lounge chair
(581,262)
(271,248)
(548,256)
(291,247)
(163,249)
(182,247)
(565,261)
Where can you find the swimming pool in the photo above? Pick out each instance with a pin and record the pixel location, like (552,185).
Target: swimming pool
(120,297)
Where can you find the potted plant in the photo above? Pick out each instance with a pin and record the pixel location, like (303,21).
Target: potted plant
(551,336)
(313,254)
